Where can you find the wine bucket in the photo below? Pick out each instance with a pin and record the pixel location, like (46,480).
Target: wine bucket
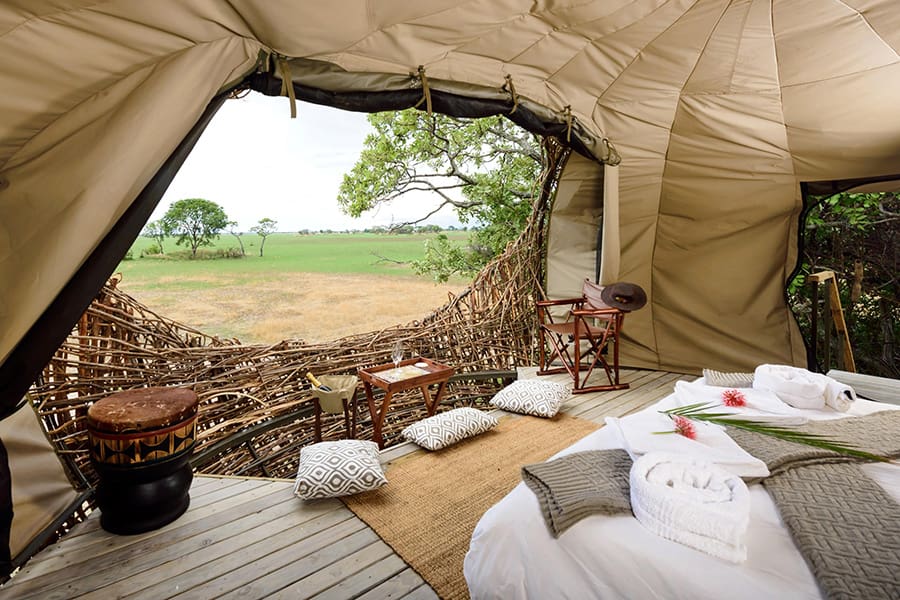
(340,400)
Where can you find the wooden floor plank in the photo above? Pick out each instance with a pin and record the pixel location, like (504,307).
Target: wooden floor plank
(209,503)
(200,486)
(613,401)
(194,569)
(196,520)
(398,586)
(365,580)
(343,571)
(143,565)
(424,592)
(639,399)
(266,577)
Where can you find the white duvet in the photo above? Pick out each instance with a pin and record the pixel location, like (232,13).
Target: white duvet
(513,555)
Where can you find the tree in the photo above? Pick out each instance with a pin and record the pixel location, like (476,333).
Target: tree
(486,169)
(857,236)
(157,231)
(195,221)
(232,229)
(263,229)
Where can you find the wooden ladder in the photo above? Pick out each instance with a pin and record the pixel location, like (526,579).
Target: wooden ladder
(834,315)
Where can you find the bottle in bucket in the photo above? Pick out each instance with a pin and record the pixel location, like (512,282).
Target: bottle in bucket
(316,383)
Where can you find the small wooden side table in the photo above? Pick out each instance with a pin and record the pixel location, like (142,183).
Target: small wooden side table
(388,378)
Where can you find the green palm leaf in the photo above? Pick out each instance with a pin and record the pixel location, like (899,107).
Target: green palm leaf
(705,412)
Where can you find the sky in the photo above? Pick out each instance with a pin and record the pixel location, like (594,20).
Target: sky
(255,161)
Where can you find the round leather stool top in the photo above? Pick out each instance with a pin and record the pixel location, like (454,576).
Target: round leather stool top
(142,409)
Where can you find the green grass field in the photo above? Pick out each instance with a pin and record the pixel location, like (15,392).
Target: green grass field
(313,287)
(357,253)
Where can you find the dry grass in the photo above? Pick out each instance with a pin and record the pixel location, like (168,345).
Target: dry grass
(314,307)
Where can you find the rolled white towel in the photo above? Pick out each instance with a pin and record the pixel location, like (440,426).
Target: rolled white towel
(838,396)
(797,387)
(691,502)
(804,389)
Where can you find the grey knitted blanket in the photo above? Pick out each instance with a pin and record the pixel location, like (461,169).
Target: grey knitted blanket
(845,525)
(578,485)
(878,433)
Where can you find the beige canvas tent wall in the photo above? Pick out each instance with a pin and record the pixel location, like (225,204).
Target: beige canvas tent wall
(718,108)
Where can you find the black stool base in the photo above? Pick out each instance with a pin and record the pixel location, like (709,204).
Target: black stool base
(136,500)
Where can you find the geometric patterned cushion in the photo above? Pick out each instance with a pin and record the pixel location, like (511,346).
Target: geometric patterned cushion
(331,469)
(732,380)
(449,427)
(532,397)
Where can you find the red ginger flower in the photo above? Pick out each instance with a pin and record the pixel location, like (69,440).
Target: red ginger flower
(733,398)
(684,427)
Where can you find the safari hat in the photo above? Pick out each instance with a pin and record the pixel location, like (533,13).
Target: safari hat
(624,296)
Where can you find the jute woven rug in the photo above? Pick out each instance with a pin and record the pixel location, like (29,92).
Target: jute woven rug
(433,500)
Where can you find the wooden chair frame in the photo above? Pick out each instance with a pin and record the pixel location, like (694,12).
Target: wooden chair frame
(562,341)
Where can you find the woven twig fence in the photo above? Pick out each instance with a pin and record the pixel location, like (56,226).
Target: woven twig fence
(255,403)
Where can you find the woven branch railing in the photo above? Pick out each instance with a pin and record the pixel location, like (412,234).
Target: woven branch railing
(120,344)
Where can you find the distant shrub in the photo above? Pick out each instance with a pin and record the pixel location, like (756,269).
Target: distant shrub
(151,250)
(206,254)
(128,255)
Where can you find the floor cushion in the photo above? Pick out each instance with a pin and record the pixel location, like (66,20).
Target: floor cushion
(449,427)
(341,468)
(532,397)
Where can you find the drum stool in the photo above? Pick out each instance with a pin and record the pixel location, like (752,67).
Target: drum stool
(141,441)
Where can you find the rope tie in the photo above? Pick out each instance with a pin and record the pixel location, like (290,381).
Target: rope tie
(426,91)
(287,84)
(511,88)
(612,157)
(567,115)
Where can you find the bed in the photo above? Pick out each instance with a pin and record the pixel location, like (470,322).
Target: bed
(512,553)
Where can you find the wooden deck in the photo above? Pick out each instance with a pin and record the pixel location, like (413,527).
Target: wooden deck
(251,538)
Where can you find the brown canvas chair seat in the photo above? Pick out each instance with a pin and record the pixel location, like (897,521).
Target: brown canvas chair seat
(582,342)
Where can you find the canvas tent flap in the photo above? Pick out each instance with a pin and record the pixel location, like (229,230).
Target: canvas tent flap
(572,236)
(52,215)
(40,488)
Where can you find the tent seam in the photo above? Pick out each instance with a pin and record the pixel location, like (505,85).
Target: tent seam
(50,15)
(863,18)
(842,75)
(416,21)
(639,52)
(737,52)
(591,42)
(789,315)
(662,177)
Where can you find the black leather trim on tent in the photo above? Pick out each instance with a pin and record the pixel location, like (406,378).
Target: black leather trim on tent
(6,514)
(447,103)
(829,188)
(24,364)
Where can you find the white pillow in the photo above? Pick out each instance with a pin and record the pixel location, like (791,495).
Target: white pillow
(331,469)
(449,427)
(532,397)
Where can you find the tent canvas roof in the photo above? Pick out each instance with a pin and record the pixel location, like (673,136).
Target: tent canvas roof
(718,108)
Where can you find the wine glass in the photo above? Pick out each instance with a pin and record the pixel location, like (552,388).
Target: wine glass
(397,354)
